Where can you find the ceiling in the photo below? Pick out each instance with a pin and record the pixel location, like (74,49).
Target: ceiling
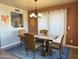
(30,4)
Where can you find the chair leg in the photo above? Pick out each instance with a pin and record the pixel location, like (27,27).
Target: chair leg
(62,51)
(60,54)
(20,44)
(27,51)
(34,55)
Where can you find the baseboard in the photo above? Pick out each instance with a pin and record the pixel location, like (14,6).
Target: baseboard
(72,46)
(11,45)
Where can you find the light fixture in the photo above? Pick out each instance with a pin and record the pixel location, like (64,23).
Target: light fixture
(35,14)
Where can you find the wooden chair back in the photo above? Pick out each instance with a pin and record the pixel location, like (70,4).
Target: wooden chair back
(44,32)
(21,35)
(21,32)
(29,41)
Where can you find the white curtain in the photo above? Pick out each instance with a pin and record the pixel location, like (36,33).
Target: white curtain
(53,21)
(43,21)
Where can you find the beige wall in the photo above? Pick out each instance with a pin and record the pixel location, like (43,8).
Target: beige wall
(8,34)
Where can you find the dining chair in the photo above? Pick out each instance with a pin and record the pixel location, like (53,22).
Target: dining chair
(43,32)
(58,46)
(30,43)
(21,35)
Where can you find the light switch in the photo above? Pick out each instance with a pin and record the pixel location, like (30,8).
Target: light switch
(68,27)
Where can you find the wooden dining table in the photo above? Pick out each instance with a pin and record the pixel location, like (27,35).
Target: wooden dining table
(46,40)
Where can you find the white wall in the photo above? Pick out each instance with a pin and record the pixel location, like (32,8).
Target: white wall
(8,34)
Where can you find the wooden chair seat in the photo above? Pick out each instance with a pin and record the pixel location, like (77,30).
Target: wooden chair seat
(53,45)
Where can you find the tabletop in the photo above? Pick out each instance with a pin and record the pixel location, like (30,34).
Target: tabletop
(50,38)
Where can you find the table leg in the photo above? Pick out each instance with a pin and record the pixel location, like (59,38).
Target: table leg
(48,49)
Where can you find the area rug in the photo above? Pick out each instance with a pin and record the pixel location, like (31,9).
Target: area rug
(21,53)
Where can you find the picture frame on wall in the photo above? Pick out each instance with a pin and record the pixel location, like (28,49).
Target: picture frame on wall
(5,19)
(16,20)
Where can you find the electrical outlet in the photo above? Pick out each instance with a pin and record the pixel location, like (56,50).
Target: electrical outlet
(71,41)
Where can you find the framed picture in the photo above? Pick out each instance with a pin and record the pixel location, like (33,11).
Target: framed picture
(5,19)
(16,19)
